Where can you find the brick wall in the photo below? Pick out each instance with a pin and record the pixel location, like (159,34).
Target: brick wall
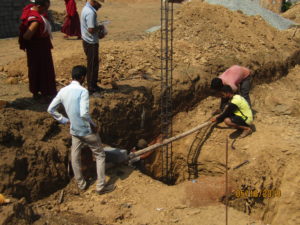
(10,12)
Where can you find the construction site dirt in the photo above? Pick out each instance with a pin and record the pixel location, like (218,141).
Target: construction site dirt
(34,148)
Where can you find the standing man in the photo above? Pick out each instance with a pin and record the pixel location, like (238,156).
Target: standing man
(238,78)
(90,38)
(75,100)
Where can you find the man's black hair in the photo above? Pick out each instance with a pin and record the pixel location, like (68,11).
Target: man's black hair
(78,72)
(216,84)
(97,5)
(227,89)
(41,2)
(142,143)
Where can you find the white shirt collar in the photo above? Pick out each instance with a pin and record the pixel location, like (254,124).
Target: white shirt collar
(75,82)
(91,7)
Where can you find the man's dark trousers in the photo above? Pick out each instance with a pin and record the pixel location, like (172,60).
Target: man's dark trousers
(92,54)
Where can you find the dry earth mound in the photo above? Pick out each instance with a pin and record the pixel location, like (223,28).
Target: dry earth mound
(293,13)
(271,151)
(208,39)
(34,154)
(254,7)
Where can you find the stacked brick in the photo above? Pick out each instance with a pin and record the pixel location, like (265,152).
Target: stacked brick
(10,12)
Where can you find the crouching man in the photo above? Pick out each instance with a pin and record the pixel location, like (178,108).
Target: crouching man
(238,78)
(75,100)
(237,113)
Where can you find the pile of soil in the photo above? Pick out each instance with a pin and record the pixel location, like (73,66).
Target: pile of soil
(34,148)
(205,40)
(255,7)
(17,212)
(271,150)
(206,43)
(34,154)
(293,13)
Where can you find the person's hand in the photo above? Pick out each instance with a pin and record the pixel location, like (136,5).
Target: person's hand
(218,111)
(133,150)
(133,160)
(131,155)
(65,121)
(160,139)
(214,119)
(65,14)
(95,129)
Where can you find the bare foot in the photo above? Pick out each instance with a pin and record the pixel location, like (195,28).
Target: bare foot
(246,133)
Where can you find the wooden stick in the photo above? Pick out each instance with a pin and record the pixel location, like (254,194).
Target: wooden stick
(241,164)
(294,32)
(61,196)
(169,140)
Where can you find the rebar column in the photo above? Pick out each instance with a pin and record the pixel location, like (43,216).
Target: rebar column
(166,85)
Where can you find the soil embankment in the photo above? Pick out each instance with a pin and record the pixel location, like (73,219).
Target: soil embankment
(271,150)
(34,148)
(205,44)
(34,154)
(293,13)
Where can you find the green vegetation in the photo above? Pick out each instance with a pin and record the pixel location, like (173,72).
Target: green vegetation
(285,6)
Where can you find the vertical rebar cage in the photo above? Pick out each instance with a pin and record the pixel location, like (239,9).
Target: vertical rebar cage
(166,86)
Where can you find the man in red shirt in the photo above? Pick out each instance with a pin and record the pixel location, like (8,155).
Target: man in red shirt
(238,78)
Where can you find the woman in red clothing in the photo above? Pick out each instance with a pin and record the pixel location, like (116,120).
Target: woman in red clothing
(71,25)
(34,38)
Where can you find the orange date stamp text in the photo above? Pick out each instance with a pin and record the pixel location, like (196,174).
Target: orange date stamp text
(265,193)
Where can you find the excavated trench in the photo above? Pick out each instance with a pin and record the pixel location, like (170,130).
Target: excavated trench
(146,113)
(34,148)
